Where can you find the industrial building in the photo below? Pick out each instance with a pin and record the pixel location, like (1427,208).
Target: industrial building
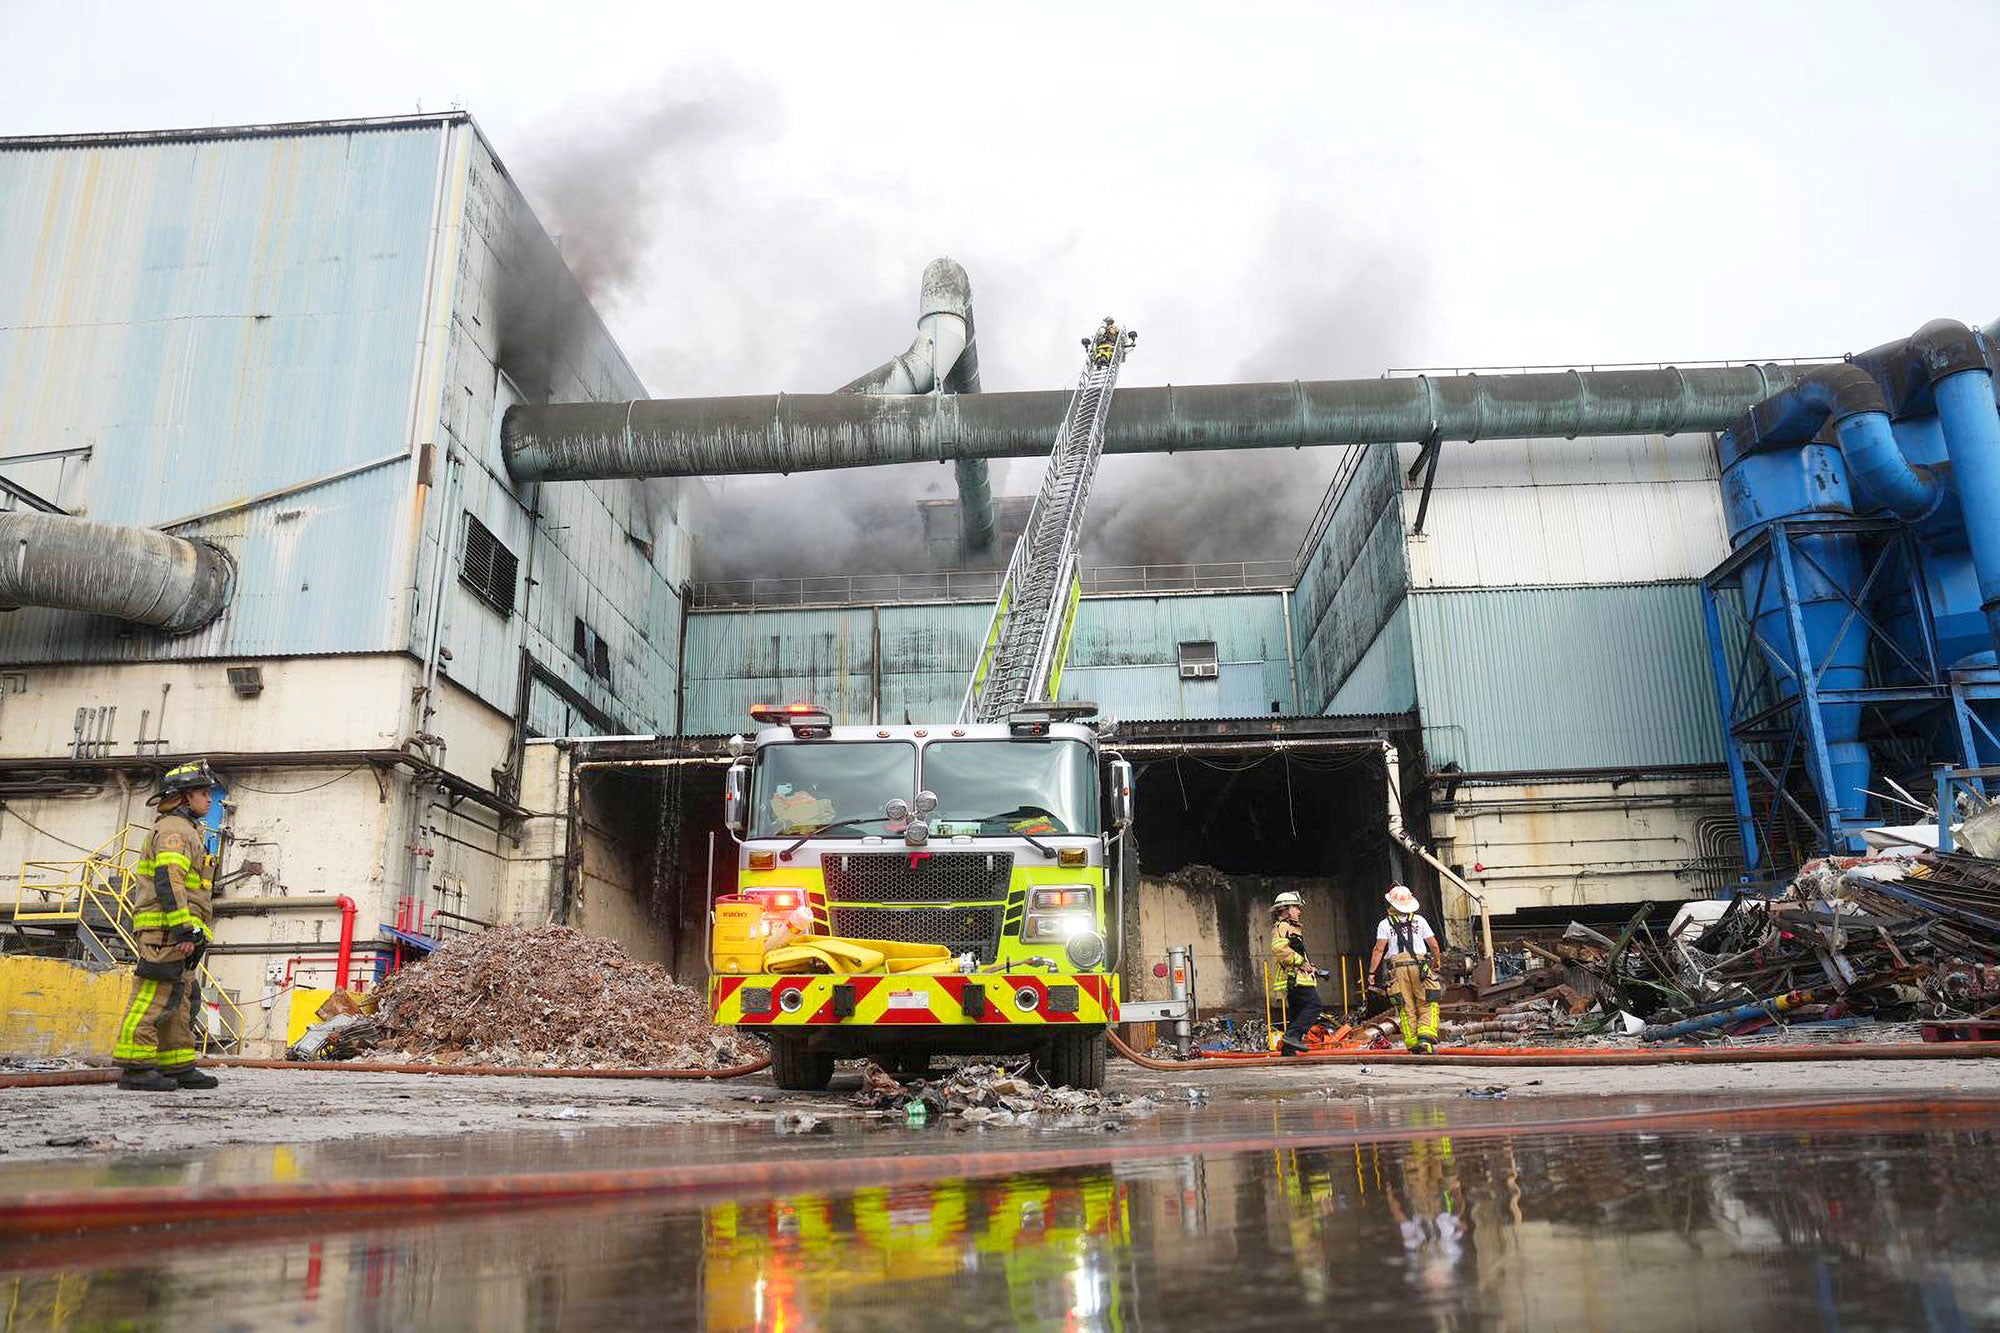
(396,627)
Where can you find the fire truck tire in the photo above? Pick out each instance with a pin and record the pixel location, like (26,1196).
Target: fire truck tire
(796,1069)
(1076,1060)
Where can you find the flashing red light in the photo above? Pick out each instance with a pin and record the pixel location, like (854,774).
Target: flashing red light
(777,901)
(774,714)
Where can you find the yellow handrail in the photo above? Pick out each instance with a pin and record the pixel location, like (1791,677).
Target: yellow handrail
(66,890)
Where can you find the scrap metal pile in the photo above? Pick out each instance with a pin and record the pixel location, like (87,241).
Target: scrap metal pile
(1850,944)
(546,996)
(995,1095)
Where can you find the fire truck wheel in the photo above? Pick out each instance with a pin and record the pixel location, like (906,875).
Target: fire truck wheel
(1076,1060)
(795,1069)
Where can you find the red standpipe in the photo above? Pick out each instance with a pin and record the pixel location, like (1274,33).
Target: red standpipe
(347,911)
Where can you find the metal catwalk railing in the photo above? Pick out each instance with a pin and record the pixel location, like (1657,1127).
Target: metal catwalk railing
(93,898)
(984,585)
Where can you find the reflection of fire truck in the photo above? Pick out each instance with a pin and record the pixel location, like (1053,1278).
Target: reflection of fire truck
(785,1264)
(905,891)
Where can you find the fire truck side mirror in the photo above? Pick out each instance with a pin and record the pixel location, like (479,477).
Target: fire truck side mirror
(736,799)
(1121,794)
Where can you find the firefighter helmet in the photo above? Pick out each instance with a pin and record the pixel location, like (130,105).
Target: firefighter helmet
(1400,899)
(196,776)
(1286,899)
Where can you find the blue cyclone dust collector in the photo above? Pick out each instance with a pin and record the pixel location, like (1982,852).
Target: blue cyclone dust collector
(1854,626)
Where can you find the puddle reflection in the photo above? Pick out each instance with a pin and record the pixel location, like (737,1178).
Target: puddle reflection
(1719,1230)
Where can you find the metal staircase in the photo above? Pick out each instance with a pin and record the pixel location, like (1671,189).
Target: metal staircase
(82,910)
(1027,638)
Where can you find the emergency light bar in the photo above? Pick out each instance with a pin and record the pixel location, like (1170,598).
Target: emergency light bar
(1036,719)
(805,720)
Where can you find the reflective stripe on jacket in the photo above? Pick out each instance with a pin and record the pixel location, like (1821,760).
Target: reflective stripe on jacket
(175,878)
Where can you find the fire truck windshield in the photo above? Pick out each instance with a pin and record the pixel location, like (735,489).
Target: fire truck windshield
(1029,786)
(799,788)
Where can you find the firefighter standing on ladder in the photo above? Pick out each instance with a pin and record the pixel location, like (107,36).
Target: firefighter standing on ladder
(171,919)
(1413,978)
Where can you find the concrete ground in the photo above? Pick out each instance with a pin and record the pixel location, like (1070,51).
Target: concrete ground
(273,1106)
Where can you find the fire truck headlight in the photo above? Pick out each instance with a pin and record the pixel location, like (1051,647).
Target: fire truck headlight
(1051,926)
(1085,949)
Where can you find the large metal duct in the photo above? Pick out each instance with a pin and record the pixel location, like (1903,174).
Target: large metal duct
(944,356)
(111,569)
(805,432)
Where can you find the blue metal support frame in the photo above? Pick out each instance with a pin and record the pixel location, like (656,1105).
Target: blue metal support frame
(1771,693)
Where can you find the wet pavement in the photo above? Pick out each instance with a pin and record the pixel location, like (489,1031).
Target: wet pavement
(1430,1214)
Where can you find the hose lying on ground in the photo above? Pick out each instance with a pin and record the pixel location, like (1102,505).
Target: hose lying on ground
(1473,1057)
(59,1078)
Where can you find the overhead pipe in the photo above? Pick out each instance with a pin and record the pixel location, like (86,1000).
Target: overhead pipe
(141,575)
(943,358)
(807,432)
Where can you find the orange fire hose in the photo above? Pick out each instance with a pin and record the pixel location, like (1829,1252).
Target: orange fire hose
(1476,1057)
(50,1212)
(60,1078)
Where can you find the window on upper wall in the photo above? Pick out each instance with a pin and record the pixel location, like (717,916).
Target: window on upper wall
(487,567)
(1198,661)
(590,650)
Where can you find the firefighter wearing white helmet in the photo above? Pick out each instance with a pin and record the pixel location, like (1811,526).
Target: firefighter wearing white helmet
(1288,949)
(1415,962)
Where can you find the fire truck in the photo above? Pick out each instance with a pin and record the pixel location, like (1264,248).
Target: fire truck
(906,891)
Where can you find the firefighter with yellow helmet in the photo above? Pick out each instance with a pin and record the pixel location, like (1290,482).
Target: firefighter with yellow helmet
(172,921)
(1288,950)
(1415,964)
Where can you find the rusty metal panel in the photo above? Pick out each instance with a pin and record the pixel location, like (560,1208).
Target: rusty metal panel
(219,319)
(1521,680)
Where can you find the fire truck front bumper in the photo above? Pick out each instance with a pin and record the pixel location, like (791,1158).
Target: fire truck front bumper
(982,1000)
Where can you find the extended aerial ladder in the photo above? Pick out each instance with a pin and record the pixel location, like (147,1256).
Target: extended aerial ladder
(1028,636)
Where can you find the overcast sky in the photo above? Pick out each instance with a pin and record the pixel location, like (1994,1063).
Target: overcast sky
(1310,191)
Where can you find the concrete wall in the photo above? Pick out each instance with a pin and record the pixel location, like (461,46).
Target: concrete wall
(1227,920)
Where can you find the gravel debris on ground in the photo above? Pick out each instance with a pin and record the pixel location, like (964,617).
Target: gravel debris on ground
(547,996)
(996,1095)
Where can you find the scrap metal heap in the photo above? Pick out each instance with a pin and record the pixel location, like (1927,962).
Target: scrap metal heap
(545,997)
(1902,937)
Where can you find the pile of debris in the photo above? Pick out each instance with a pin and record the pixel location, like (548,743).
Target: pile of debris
(1897,937)
(1215,1034)
(546,996)
(995,1095)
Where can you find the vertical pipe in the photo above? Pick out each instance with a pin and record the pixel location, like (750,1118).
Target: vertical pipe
(1291,651)
(1177,990)
(346,958)
(1966,407)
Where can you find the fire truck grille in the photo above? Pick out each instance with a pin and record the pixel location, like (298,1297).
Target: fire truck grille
(901,877)
(974,930)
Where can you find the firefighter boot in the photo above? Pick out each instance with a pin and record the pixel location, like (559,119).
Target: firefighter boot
(195,1079)
(147,1080)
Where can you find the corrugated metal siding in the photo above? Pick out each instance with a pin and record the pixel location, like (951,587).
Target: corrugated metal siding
(1385,679)
(1537,679)
(1352,580)
(1125,656)
(216,320)
(604,552)
(1515,513)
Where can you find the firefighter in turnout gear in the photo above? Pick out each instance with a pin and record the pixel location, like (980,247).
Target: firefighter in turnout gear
(172,919)
(1415,963)
(1288,948)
